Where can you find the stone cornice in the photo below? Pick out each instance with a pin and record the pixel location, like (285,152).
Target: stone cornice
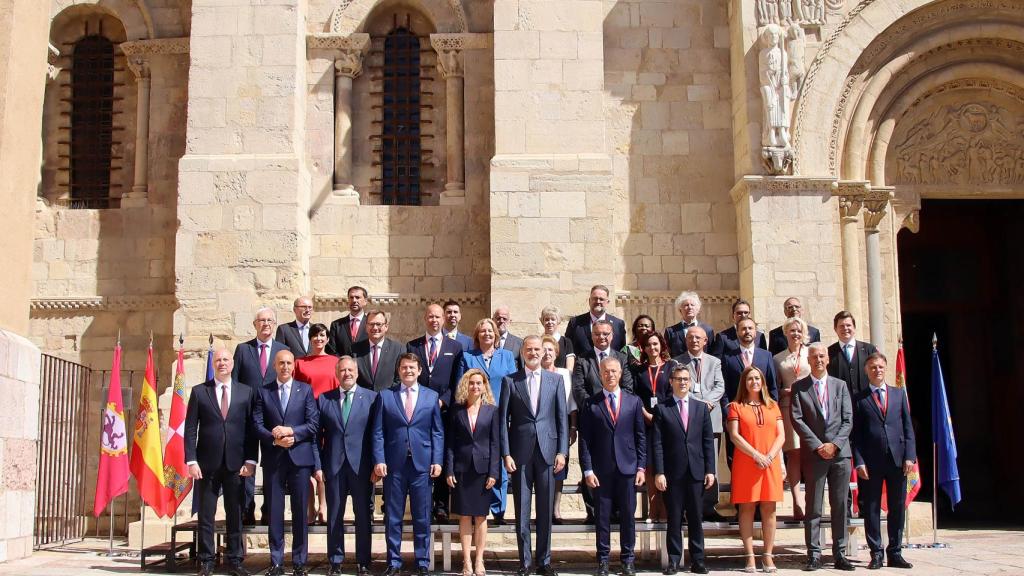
(359,42)
(781,185)
(385,299)
(623,297)
(466,41)
(157,46)
(73,305)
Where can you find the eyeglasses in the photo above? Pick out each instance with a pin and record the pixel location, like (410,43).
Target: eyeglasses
(266,321)
(304,307)
(376,324)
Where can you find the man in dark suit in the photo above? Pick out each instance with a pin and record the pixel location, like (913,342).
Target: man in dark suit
(822,417)
(586,374)
(738,357)
(286,421)
(613,455)
(377,356)
(220,449)
(295,334)
(684,467)
(346,331)
(254,365)
(409,421)
(727,340)
(688,304)
(442,358)
(452,317)
(846,357)
(884,452)
(534,446)
(507,340)
(578,330)
(777,340)
(350,449)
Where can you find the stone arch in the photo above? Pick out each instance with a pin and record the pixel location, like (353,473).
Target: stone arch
(446,15)
(134,15)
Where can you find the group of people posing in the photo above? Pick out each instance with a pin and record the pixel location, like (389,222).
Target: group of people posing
(452,423)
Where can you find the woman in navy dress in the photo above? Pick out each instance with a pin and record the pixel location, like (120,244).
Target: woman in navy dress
(473,463)
(651,384)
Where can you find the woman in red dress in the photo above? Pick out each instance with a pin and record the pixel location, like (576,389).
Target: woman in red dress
(318,370)
(755,426)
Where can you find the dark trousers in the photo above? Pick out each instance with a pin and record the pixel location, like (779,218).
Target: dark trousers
(534,478)
(402,482)
(710,495)
(206,492)
(296,478)
(685,494)
(615,491)
(870,492)
(347,483)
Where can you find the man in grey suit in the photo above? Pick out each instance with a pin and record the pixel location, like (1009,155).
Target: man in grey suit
(377,356)
(295,334)
(708,387)
(534,446)
(823,418)
(506,340)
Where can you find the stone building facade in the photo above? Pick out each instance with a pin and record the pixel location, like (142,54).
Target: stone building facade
(740,148)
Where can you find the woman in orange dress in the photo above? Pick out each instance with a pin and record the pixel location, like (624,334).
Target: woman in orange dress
(755,426)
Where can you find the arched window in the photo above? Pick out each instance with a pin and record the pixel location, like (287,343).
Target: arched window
(401,156)
(92,121)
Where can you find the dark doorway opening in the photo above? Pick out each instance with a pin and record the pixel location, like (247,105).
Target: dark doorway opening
(961,279)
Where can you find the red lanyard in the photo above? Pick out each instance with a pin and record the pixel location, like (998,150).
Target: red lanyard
(618,406)
(799,358)
(654,379)
(881,408)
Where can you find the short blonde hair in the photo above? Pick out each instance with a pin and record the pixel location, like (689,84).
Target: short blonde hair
(803,328)
(462,391)
(476,331)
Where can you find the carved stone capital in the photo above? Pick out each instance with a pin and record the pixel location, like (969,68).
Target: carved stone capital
(139,65)
(52,62)
(450,63)
(138,52)
(875,202)
(907,211)
(347,51)
(349,64)
(851,194)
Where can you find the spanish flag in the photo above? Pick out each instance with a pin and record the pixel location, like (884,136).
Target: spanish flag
(147,454)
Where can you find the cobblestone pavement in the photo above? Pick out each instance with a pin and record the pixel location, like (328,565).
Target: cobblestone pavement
(969,552)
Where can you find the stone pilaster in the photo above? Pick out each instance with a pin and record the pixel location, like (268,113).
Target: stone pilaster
(851,199)
(551,194)
(243,236)
(876,203)
(777,262)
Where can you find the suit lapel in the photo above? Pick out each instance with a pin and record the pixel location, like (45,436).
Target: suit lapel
(464,418)
(275,391)
(524,393)
(677,417)
(212,391)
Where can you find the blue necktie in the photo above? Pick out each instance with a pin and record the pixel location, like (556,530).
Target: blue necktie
(284,398)
(611,399)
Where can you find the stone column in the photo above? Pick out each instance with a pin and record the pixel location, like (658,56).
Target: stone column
(140,188)
(851,196)
(348,65)
(451,65)
(875,203)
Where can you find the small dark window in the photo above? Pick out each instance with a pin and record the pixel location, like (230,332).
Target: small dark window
(400,142)
(92,118)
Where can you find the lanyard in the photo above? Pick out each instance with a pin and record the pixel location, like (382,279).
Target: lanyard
(881,408)
(618,406)
(654,379)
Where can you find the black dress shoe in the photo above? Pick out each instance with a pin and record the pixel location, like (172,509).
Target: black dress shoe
(421,571)
(275,571)
(546,570)
(364,570)
(557,521)
(334,570)
(715,517)
(523,571)
(238,570)
(300,570)
(876,562)
(589,520)
(205,569)
(602,569)
(897,561)
(813,563)
(392,571)
(499,519)
(841,563)
(698,568)
(441,517)
(628,569)
(671,570)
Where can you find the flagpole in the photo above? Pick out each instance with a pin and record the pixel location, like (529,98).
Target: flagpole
(935,465)
(113,504)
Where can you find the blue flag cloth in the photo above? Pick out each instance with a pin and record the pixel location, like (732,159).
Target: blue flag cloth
(942,435)
(209,363)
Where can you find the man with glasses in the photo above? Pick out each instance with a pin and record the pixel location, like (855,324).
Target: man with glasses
(777,341)
(579,328)
(507,340)
(377,357)
(727,340)
(295,334)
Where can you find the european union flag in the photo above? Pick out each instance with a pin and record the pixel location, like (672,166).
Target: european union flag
(942,435)
(209,362)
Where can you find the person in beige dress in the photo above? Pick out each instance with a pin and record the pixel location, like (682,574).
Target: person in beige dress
(790,366)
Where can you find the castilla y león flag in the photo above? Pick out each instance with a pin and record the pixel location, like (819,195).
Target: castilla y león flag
(147,458)
(176,479)
(112,480)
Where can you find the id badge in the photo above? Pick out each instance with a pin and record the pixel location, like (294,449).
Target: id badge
(654,402)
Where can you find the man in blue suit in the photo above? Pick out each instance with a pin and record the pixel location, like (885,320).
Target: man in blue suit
(884,451)
(254,365)
(578,328)
(728,340)
(534,446)
(409,422)
(744,354)
(442,359)
(777,339)
(287,422)
(688,304)
(452,317)
(350,448)
(613,455)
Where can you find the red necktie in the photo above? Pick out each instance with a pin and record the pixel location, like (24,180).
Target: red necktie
(353,328)
(684,413)
(376,357)
(263,359)
(433,353)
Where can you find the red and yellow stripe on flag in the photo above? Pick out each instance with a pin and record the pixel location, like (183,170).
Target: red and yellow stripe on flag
(147,454)
(176,479)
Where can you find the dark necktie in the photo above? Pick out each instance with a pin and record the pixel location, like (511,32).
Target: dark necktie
(346,407)
(224,401)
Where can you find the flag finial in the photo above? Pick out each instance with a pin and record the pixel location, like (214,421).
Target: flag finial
(211,339)
(181,340)
(150,338)
(118,336)
(935,341)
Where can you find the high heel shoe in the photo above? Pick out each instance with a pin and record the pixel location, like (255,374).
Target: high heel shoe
(765,558)
(480,571)
(466,570)
(751,566)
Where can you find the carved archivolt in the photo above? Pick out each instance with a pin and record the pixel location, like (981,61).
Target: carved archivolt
(338,16)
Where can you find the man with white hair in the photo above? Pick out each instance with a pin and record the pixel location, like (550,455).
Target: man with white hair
(688,304)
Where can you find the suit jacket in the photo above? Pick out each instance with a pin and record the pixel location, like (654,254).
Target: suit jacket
(476,451)
(503,363)
(513,344)
(461,338)
(613,448)
(852,373)
(548,429)
(807,418)
(355,442)
(422,438)
(300,415)
(212,441)
(874,433)
(683,454)
(777,341)
(339,341)
(675,335)
(711,387)
(578,331)
(387,363)
(247,363)
(727,341)
(288,334)
(732,367)
(586,375)
(447,371)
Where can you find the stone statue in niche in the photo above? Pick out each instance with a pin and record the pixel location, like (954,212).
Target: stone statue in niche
(768,12)
(788,12)
(975,143)
(813,11)
(777,95)
(796,47)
